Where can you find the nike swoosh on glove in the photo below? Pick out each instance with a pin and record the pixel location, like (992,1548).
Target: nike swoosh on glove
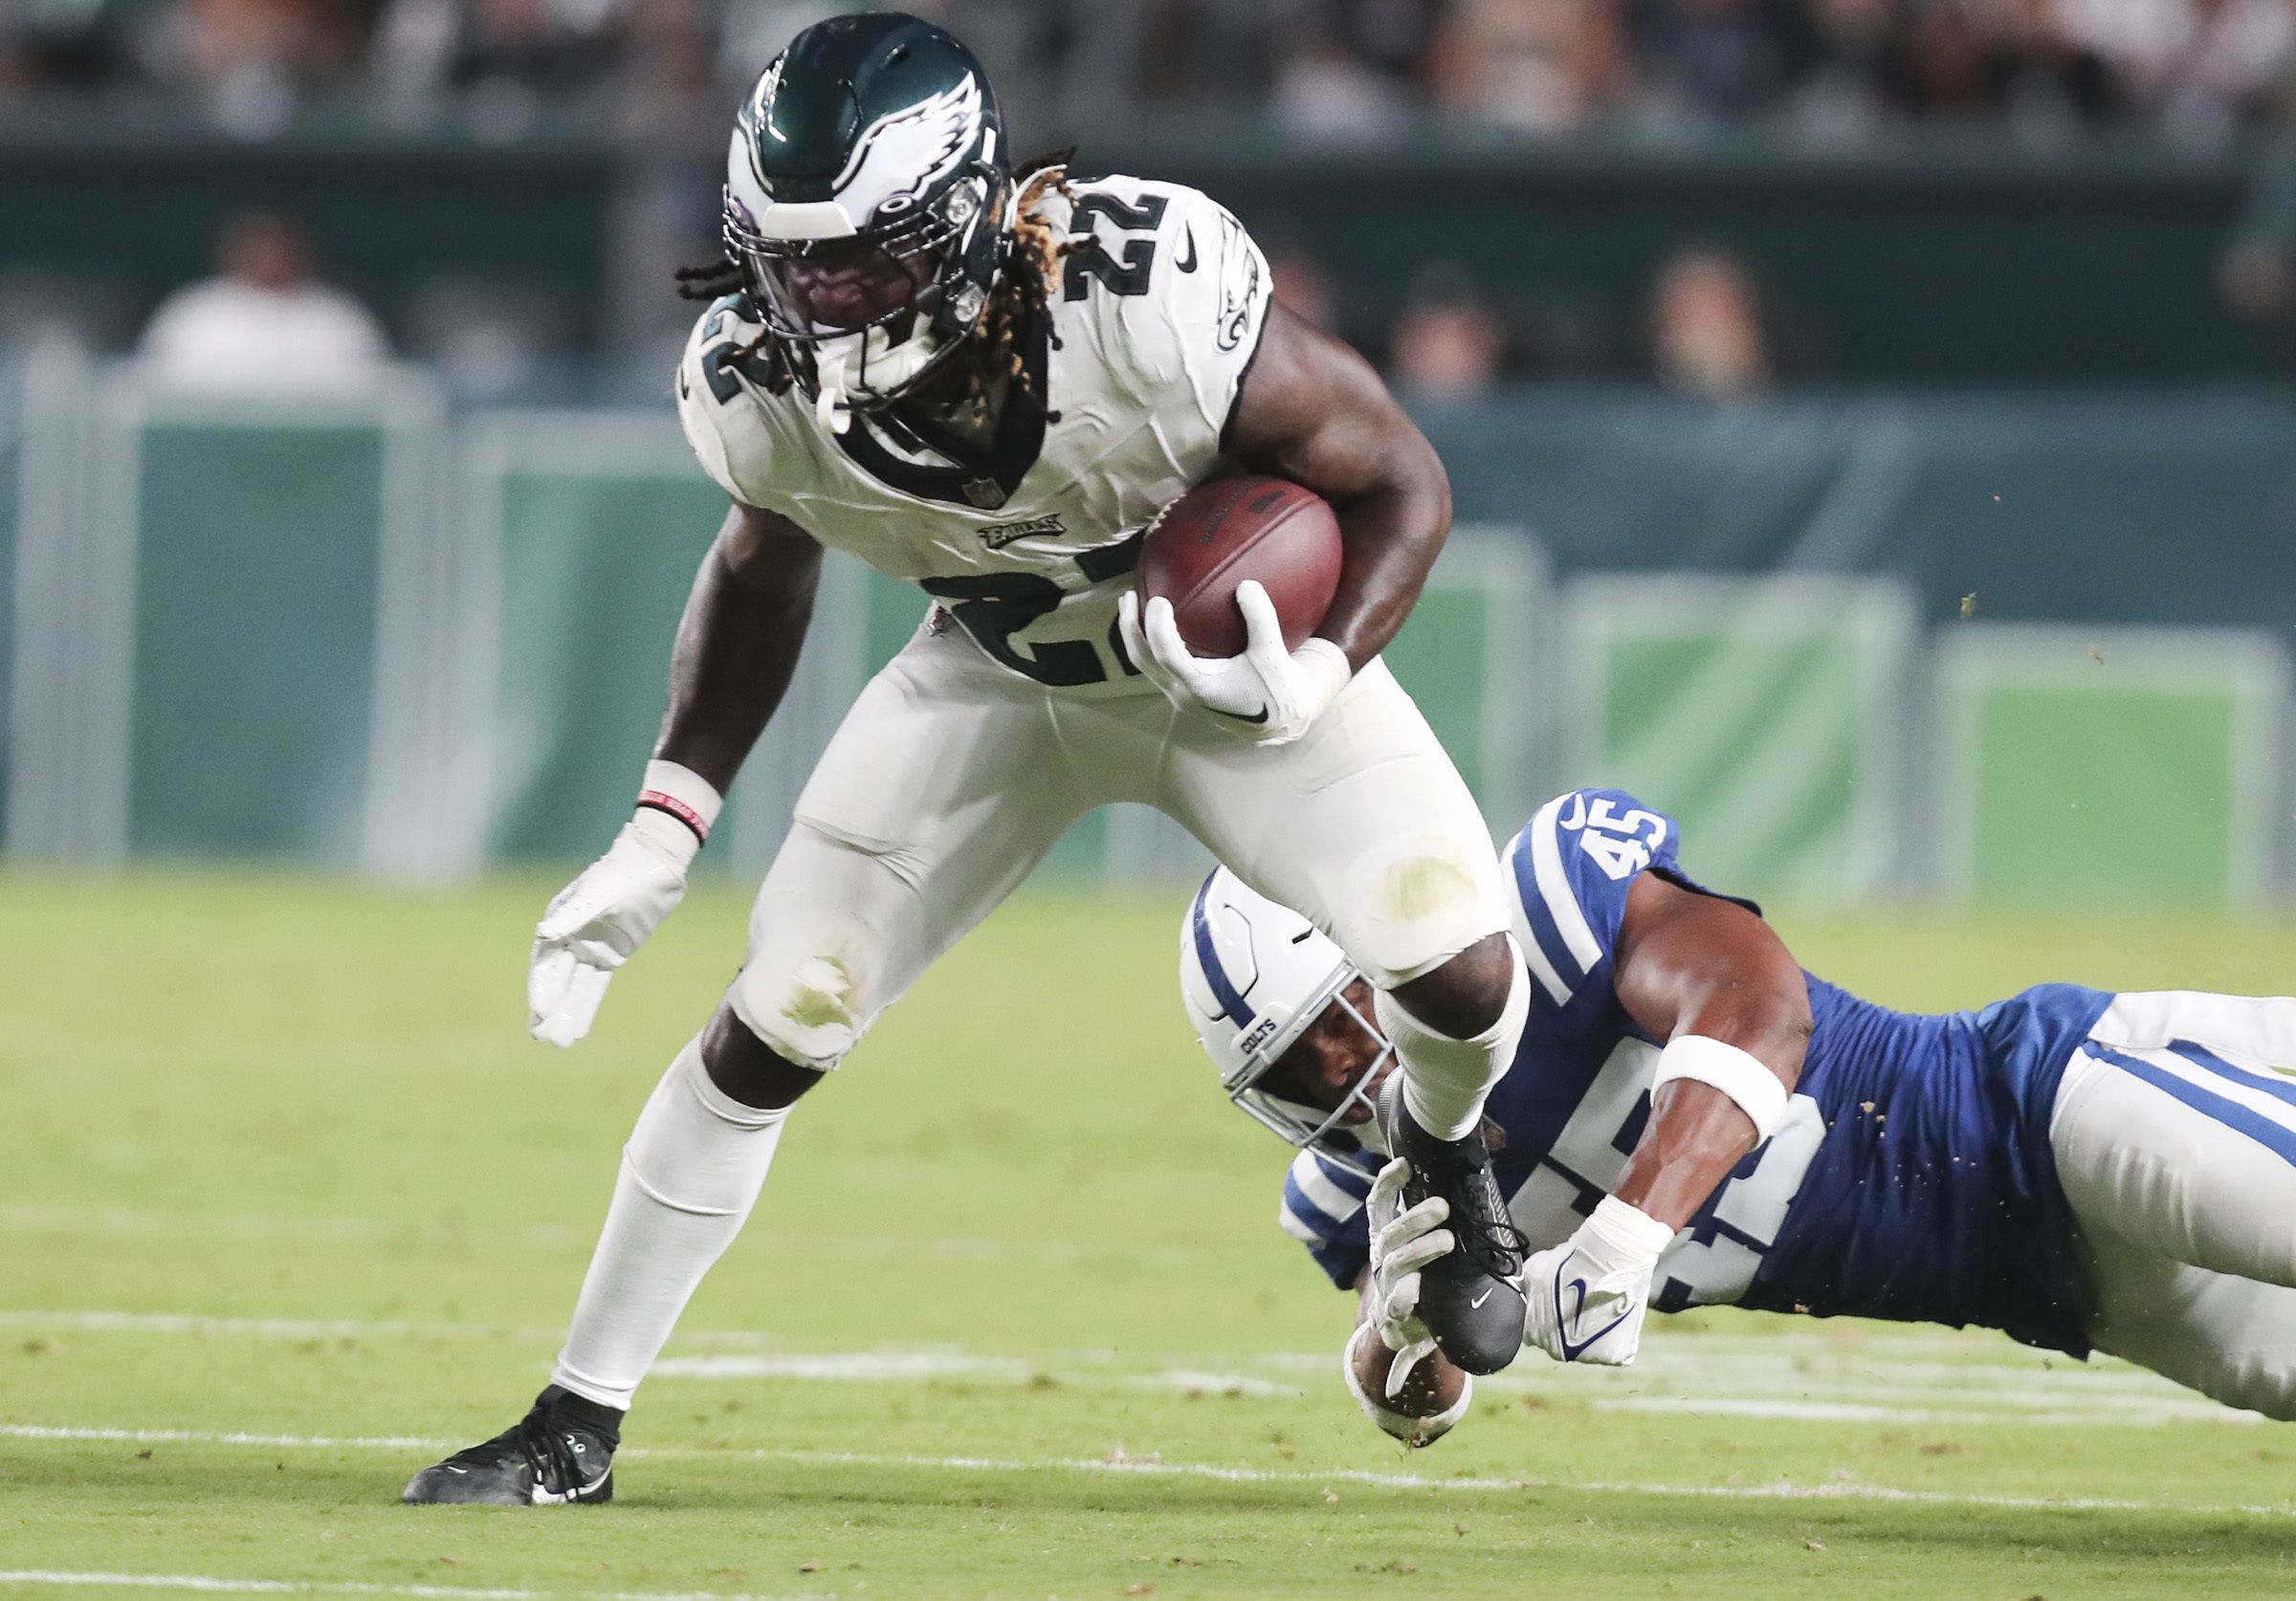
(593,925)
(1268,694)
(1402,1244)
(1588,1295)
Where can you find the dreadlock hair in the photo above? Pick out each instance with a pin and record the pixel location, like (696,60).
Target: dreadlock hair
(713,282)
(1030,278)
(1022,290)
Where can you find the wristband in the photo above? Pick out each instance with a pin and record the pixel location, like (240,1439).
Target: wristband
(1618,1234)
(1736,1074)
(682,793)
(1410,1430)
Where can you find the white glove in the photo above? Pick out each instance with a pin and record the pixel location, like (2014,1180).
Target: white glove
(1588,1295)
(1402,1244)
(593,925)
(1270,695)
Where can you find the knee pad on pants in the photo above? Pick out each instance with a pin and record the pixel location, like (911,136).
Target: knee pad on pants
(1406,910)
(808,1000)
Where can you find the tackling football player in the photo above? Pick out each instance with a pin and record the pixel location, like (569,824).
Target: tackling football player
(1693,1120)
(986,378)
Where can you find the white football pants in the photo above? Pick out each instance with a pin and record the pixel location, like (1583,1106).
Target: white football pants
(951,777)
(2174,1133)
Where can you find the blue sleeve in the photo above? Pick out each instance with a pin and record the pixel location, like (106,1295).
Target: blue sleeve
(1570,869)
(1323,1210)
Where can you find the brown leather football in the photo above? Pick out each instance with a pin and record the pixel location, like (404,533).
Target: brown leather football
(1213,538)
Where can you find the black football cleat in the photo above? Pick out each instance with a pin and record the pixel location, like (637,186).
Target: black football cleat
(1471,1297)
(560,1453)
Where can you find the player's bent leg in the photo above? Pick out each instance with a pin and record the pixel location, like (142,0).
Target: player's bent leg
(2172,1132)
(1366,827)
(1456,1028)
(749,1070)
(2232,1339)
(1471,1298)
(916,822)
(689,1176)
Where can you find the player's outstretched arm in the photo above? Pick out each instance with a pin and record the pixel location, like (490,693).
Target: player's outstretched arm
(1313,411)
(1712,979)
(736,648)
(1715,982)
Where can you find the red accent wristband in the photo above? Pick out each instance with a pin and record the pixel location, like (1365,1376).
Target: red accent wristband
(677,809)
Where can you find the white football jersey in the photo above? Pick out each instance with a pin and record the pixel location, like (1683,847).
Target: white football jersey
(1029,538)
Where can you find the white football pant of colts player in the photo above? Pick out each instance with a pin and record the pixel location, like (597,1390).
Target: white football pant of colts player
(2174,1138)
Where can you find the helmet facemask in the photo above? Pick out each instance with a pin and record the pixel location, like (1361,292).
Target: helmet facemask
(1297,1122)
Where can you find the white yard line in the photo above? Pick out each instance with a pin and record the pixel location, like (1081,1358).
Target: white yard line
(1850,1411)
(124,1223)
(201,1437)
(1814,1345)
(213,1584)
(1150,1467)
(1811,1377)
(204,1327)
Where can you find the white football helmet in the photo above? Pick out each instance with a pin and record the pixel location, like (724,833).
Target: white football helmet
(1254,975)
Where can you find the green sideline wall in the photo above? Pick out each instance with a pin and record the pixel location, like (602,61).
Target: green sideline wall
(1997,651)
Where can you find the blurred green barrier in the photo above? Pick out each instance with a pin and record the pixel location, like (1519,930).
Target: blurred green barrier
(2141,508)
(1765,715)
(257,535)
(1474,655)
(287,630)
(2108,764)
(11,490)
(594,526)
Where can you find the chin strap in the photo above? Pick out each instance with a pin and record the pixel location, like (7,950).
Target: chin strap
(863,366)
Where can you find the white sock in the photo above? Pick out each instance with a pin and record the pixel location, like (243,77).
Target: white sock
(1444,1080)
(689,1174)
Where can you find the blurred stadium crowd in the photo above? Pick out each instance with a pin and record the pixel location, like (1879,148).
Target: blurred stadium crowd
(1338,69)
(1332,76)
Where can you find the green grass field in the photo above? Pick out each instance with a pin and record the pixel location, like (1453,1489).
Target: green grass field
(289,1205)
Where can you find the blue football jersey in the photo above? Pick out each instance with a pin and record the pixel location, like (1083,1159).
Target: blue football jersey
(1912,1179)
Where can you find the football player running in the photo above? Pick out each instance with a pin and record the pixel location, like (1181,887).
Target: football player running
(986,378)
(1693,1120)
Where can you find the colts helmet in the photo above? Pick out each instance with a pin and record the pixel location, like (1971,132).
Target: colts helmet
(1254,975)
(868,205)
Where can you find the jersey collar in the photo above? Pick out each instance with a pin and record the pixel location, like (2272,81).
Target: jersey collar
(984,478)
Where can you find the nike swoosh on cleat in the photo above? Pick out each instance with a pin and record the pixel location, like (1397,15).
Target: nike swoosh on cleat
(1187,263)
(543,1497)
(465,1472)
(1259,716)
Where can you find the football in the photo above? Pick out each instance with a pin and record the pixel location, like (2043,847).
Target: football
(1210,539)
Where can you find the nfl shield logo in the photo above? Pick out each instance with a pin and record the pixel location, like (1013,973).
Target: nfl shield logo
(985,493)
